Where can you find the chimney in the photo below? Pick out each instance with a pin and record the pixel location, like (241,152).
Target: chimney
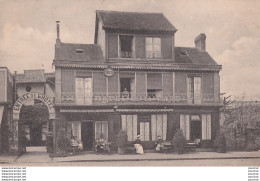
(58,33)
(200,42)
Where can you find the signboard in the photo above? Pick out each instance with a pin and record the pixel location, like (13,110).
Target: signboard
(33,95)
(109,72)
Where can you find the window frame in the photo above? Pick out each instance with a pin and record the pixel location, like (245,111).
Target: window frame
(153,51)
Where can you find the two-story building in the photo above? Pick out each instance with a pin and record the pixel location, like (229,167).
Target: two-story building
(134,78)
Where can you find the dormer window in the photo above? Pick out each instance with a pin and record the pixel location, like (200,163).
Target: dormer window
(79,50)
(126,46)
(153,47)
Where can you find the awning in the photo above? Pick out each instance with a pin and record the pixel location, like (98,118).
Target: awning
(1,113)
(144,110)
(86,110)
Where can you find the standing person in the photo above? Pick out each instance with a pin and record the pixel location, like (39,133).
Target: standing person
(138,146)
(159,144)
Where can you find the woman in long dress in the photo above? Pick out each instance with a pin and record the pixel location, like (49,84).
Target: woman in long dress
(138,146)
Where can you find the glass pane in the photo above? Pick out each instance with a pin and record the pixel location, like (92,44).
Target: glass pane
(157,41)
(129,123)
(157,48)
(159,125)
(98,129)
(149,40)
(164,126)
(149,54)
(123,118)
(149,48)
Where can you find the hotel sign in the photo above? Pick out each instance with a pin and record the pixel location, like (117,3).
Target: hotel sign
(47,101)
(109,72)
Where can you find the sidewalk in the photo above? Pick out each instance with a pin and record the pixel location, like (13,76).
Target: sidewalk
(39,155)
(90,157)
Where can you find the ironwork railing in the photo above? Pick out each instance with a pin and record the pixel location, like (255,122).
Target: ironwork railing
(97,98)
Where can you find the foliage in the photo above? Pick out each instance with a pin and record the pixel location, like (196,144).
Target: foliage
(63,141)
(220,142)
(22,138)
(179,142)
(121,139)
(34,115)
(4,136)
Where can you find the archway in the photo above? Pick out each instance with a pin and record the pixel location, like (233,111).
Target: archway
(14,126)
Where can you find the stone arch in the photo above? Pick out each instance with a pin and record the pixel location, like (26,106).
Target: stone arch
(14,144)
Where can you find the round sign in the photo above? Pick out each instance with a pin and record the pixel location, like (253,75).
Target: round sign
(109,72)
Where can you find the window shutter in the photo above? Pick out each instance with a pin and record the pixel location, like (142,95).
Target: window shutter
(113,84)
(99,85)
(185,126)
(209,127)
(204,127)
(154,81)
(67,81)
(167,84)
(140,47)
(112,46)
(129,124)
(123,119)
(197,90)
(105,129)
(147,131)
(141,84)
(167,47)
(76,130)
(164,126)
(98,129)
(153,121)
(134,127)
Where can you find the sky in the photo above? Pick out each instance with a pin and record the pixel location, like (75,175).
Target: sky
(232,27)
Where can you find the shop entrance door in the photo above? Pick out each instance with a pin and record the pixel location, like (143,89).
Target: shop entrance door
(87,135)
(195,131)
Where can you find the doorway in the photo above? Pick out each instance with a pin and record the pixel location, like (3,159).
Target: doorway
(195,131)
(87,135)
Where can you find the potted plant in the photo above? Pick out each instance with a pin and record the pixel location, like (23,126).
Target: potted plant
(63,142)
(220,142)
(121,141)
(179,142)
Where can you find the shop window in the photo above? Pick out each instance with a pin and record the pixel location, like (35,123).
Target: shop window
(194,90)
(129,124)
(159,126)
(101,128)
(145,131)
(76,130)
(206,127)
(185,125)
(153,47)
(84,91)
(126,46)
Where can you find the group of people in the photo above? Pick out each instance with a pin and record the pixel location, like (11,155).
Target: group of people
(102,145)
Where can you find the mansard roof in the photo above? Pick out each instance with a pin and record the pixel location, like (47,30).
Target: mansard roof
(137,21)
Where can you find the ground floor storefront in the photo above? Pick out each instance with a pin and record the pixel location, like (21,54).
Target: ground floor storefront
(198,124)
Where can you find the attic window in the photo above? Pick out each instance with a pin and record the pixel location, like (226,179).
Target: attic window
(79,51)
(184,53)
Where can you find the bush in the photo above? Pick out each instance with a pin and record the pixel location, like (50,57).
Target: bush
(220,142)
(179,142)
(63,142)
(251,146)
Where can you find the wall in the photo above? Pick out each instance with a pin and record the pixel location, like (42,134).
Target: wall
(3,83)
(36,87)
(101,40)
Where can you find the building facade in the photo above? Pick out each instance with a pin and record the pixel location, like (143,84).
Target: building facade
(134,78)
(6,103)
(39,82)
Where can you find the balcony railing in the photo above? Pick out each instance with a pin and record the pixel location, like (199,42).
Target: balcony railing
(101,98)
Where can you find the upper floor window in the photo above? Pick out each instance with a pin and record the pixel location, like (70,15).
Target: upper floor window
(154,85)
(84,91)
(194,90)
(126,46)
(153,47)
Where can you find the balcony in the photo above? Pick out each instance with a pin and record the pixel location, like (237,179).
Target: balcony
(102,98)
